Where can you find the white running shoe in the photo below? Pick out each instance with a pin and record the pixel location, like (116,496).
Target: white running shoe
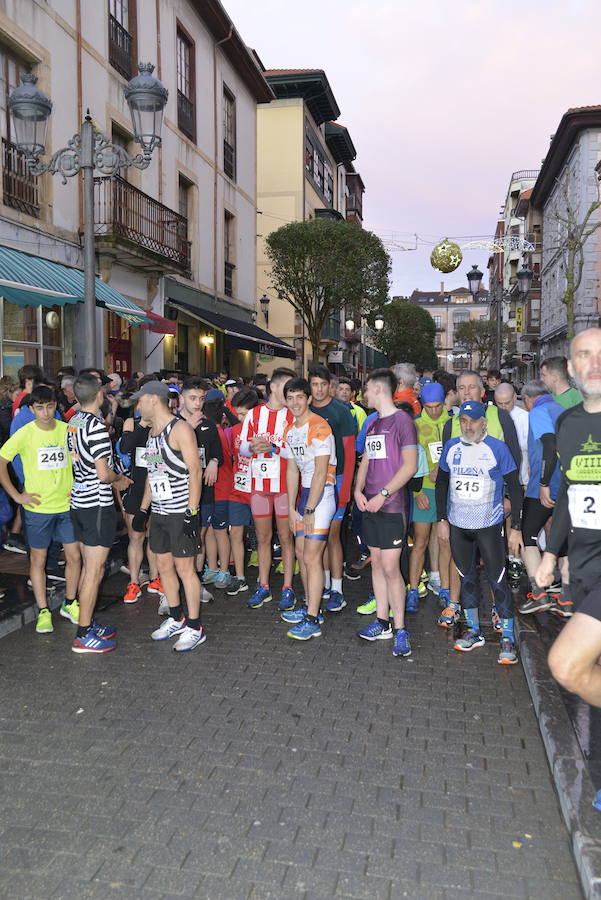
(168,629)
(189,639)
(206,596)
(163,609)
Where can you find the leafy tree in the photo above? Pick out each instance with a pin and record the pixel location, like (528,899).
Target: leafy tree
(480,336)
(408,334)
(323,265)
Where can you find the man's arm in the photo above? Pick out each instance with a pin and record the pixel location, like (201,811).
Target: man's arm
(108,476)
(398,480)
(348,471)
(292,479)
(13,493)
(442,493)
(510,436)
(514,489)
(560,528)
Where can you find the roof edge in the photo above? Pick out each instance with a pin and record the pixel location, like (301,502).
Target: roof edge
(572,122)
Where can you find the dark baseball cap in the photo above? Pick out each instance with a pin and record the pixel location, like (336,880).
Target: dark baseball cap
(155,388)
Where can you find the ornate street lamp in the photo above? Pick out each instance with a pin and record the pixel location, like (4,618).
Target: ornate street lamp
(379,323)
(87,151)
(474,279)
(524,277)
(265,301)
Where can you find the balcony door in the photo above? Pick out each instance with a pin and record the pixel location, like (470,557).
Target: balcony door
(119,346)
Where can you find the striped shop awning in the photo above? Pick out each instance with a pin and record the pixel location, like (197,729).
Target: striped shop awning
(29,280)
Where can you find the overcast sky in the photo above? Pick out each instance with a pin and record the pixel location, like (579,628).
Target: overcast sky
(443,99)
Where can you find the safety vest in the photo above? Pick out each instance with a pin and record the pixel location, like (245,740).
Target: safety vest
(429,435)
(494,429)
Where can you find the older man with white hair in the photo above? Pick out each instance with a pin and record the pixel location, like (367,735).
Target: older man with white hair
(406,375)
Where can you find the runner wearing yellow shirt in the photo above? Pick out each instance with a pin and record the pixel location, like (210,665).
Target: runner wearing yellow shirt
(42,446)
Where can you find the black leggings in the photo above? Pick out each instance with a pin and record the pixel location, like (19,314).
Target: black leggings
(465,542)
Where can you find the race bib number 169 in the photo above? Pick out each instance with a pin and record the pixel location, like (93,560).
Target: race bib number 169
(375,446)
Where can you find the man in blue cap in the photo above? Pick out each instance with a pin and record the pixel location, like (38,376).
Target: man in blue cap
(473,471)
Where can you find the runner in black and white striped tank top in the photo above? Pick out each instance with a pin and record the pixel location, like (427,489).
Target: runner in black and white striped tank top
(168,475)
(88,441)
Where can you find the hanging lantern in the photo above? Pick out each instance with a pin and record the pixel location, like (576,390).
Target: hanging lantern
(446,256)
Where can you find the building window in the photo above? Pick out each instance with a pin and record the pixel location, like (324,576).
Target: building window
(21,189)
(461,316)
(122,17)
(229,134)
(185,84)
(228,254)
(31,336)
(121,139)
(182,225)
(437,321)
(317,167)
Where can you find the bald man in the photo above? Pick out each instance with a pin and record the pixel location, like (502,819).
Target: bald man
(505,398)
(575,656)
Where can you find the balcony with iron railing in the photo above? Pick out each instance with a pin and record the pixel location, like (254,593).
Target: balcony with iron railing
(20,189)
(138,229)
(120,48)
(185,115)
(522,174)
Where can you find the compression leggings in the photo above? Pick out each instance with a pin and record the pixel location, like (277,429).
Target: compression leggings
(465,542)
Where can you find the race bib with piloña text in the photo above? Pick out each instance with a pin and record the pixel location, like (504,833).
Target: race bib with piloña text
(470,488)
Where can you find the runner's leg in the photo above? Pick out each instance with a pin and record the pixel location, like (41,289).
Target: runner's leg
(184,566)
(264,534)
(394,585)
(574,658)
(421,536)
(92,573)
(72,570)
(37,574)
(237,542)
(135,550)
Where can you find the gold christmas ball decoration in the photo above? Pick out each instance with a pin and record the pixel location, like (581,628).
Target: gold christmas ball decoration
(446,256)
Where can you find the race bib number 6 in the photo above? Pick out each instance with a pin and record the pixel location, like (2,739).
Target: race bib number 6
(584,503)
(50,458)
(266,468)
(375,446)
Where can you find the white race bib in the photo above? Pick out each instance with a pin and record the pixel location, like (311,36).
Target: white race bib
(242,480)
(375,446)
(584,502)
(141,461)
(267,467)
(471,488)
(435,449)
(159,486)
(50,458)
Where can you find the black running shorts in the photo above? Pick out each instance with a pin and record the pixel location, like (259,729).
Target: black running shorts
(166,535)
(95,527)
(384,531)
(586,594)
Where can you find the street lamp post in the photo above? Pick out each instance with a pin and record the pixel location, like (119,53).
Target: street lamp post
(87,151)
(265,301)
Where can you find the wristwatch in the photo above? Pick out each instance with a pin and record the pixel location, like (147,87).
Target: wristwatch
(385,492)
(309,511)
(191,512)
(214,459)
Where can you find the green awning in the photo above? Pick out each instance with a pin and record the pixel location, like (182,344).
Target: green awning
(32,281)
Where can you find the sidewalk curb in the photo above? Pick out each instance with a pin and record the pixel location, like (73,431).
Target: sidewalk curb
(568,767)
(18,620)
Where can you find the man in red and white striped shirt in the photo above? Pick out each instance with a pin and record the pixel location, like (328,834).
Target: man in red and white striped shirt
(262,439)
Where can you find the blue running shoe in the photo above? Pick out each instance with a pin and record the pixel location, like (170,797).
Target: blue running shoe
(294,616)
(375,631)
(401,647)
(288,600)
(444,596)
(261,595)
(597,800)
(209,575)
(103,631)
(304,631)
(222,580)
(336,602)
(91,643)
(326,594)
(412,601)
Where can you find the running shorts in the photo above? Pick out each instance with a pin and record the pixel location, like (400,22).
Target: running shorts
(384,531)
(41,529)
(324,513)
(263,505)
(96,526)
(167,536)
(425,515)
(586,593)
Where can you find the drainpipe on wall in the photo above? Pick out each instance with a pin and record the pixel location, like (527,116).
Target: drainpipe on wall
(216,152)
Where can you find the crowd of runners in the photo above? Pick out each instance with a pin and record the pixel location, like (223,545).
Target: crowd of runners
(419,480)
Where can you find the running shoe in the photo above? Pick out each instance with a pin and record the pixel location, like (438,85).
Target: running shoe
(496,619)
(237,586)
(14,543)
(561,607)
(133,593)
(189,639)
(304,630)
(434,582)
(209,575)
(205,596)
(91,643)
(375,631)
(44,624)
(280,568)
(536,601)
(326,594)
(294,616)
(288,600)
(470,641)
(106,632)
(367,609)
(449,616)
(56,574)
(361,563)
(163,609)
(261,595)
(422,589)
(222,580)
(70,611)
(412,601)
(143,578)
(155,586)
(401,646)
(168,629)
(514,571)
(444,597)
(507,653)
(336,603)
(253,560)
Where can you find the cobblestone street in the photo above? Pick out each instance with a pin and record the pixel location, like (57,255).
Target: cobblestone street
(257,767)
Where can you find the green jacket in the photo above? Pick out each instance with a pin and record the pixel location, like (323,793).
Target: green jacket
(429,435)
